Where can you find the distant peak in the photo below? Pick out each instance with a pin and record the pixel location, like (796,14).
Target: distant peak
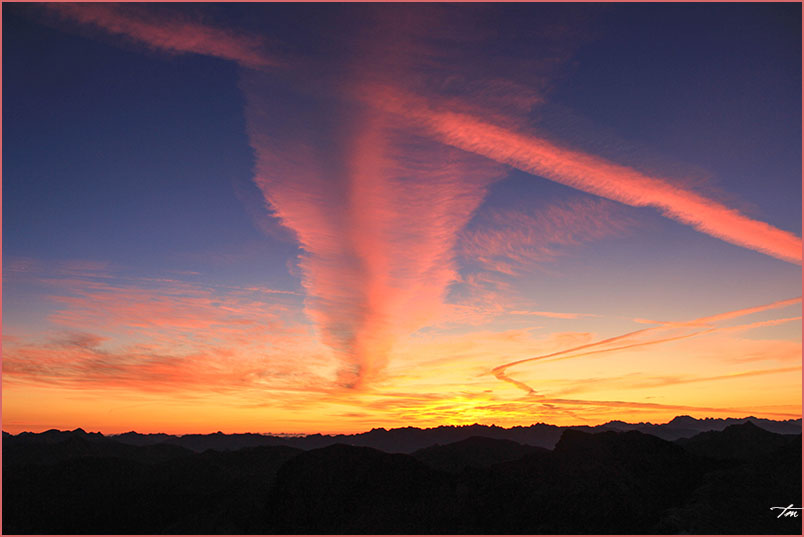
(747,423)
(678,420)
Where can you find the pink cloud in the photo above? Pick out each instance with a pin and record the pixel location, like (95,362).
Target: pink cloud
(170,33)
(140,367)
(160,334)
(377,218)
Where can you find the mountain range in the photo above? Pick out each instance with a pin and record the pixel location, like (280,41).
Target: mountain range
(410,439)
(609,479)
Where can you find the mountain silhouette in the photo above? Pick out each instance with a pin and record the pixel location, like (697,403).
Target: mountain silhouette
(743,442)
(608,479)
(411,439)
(55,446)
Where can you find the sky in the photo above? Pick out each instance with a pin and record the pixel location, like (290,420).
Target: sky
(296,218)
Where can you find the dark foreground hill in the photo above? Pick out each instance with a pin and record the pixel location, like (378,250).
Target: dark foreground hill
(740,442)
(756,469)
(474,452)
(104,493)
(605,482)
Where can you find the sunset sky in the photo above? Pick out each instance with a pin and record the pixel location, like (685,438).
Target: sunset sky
(296,218)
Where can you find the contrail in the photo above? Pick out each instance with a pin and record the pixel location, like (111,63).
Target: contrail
(658,406)
(500,371)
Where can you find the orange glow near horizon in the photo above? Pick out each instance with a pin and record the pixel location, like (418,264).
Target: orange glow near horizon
(435,379)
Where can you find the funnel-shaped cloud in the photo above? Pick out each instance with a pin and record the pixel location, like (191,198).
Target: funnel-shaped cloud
(376,211)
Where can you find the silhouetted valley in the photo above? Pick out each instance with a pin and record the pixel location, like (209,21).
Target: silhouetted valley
(687,476)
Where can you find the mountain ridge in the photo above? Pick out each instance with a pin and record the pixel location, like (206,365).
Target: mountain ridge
(626,482)
(411,439)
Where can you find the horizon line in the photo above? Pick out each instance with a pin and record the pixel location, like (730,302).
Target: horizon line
(303,435)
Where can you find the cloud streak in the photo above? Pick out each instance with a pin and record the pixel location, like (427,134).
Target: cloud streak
(513,241)
(588,173)
(170,34)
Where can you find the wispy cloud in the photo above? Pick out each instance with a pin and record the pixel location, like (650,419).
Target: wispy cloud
(646,405)
(636,381)
(513,241)
(158,334)
(747,311)
(206,368)
(665,381)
